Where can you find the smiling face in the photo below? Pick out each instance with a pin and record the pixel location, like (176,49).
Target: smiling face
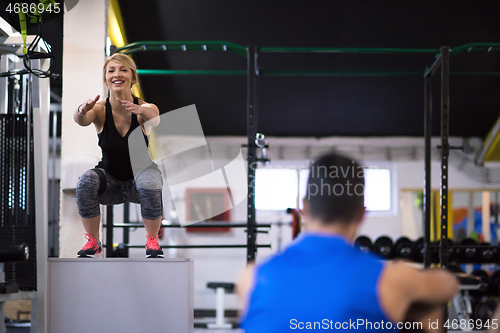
(119,73)
(118,76)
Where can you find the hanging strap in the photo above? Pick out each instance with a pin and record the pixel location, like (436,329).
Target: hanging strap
(35,18)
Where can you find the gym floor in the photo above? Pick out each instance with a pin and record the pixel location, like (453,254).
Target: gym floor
(201,330)
(196,330)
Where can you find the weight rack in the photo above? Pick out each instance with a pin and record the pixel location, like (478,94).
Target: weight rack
(442,62)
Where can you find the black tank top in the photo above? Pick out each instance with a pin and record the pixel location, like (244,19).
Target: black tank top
(115,152)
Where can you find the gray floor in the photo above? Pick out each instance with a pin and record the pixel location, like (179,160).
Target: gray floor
(196,330)
(203,330)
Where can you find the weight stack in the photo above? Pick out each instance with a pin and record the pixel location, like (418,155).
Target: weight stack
(17,199)
(24,273)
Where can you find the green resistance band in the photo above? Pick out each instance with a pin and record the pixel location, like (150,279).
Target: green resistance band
(36,17)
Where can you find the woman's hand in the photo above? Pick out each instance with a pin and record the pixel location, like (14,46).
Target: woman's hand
(87,105)
(131,107)
(145,112)
(82,114)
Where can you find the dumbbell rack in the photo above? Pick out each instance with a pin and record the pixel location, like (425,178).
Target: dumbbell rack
(404,248)
(457,252)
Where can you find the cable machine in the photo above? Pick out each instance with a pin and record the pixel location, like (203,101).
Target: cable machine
(24,111)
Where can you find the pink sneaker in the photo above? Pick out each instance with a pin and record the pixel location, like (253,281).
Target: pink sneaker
(153,249)
(92,248)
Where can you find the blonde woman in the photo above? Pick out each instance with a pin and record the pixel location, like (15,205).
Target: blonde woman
(112,180)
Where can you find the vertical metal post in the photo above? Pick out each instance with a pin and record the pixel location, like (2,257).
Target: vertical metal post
(54,145)
(2,315)
(470,213)
(428,198)
(2,304)
(28,146)
(427,170)
(4,94)
(126,219)
(40,106)
(252,150)
(494,238)
(109,231)
(445,153)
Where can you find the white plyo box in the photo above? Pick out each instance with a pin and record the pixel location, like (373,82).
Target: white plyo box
(120,295)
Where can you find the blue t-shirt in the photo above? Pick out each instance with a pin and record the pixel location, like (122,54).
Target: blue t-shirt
(318,283)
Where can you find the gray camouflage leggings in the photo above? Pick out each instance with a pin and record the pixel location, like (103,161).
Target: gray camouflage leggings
(145,190)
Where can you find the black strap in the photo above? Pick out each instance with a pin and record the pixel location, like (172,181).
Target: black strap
(103,182)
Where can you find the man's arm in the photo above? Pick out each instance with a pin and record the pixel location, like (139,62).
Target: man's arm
(244,285)
(403,286)
(496,317)
(435,286)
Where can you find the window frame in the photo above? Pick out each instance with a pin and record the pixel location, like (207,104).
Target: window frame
(300,165)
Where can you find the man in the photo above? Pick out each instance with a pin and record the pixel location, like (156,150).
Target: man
(321,282)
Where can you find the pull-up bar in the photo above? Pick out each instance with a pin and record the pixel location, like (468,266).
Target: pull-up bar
(242,50)
(144,46)
(485,47)
(243,72)
(183,46)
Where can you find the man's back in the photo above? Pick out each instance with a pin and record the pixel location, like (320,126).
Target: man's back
(321,282)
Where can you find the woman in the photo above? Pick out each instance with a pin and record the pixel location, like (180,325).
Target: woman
(112,180)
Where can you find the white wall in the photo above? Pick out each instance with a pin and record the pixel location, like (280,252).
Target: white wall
(85,29)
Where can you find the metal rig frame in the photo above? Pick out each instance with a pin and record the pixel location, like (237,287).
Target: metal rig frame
(252,72)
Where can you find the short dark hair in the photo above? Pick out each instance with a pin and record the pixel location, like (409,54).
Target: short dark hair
(335,188)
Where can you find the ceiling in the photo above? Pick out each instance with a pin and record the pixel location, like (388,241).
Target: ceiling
(321,106)
(318,106)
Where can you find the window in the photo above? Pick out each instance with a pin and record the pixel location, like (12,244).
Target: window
(303,176)
(275,189)
(377,188)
